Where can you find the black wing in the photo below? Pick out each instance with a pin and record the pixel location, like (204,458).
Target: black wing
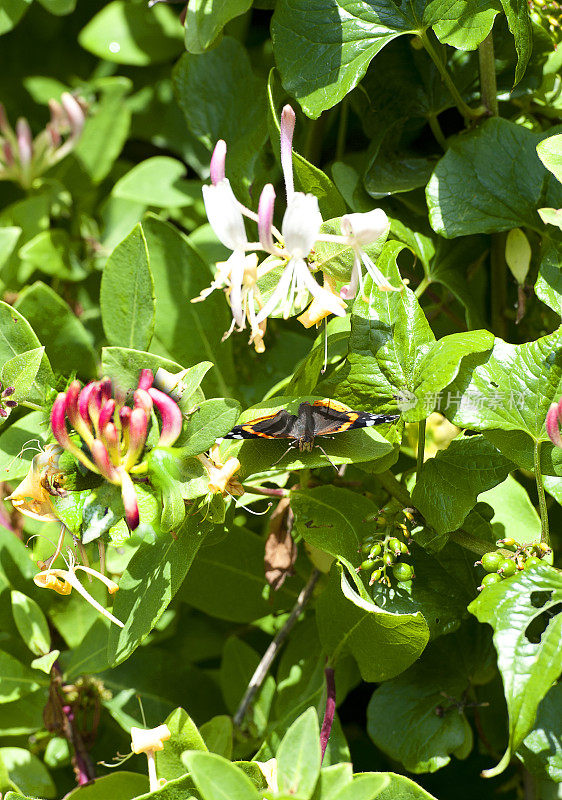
(274,426)
(331,420)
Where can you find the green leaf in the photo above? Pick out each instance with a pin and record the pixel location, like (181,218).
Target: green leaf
(20,371)
(205,20)
(528,642)
(127,293)
(551,216)
(27,772)
(400,786)
(123,366)
(514,514)
(550,153)
(210,420)
(323,50)
(31,623)
(298,757)
(158,181)
(463,24)
(332,779)
(541,750)
(236,565)
(50,252)
(17,680)
(132,33)
(218,735)
(384,644)
(334,520)
(401,716)
(308,178)
(153,576)
(493,199)
(519,21)
(448,485)
(507,393)
(8,239)
(218,779)
(11,12)
(239,662)
(185,736)
(186,332)
(67,343)
(120,785)
(16,337)
(45,663)
(23,716)
(225,74)
(367,786)
(59,7)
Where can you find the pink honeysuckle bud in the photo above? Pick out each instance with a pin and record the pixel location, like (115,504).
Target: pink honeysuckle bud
(8,154)
(58,422)
(287,129)
(58,119)
(142,399)
(552,425)
(54,135)
(171,417)
(25,141)
(265,217)
(106,389)
(84,401)
(218,161)
(129,497)
(74,112)
(4,124)
(8,391)
(78,423)
(94,405)
(125,416)
(103,462)
(138,426)
(106,413)
(146,379)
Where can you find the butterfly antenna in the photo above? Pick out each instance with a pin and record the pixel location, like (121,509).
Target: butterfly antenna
(325,367)
(319,446)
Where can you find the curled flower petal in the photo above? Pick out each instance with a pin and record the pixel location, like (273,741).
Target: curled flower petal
(288,118)
(48,580)
(84,400)
(103,462)
(365,228)
(106,413)
(58,421)
(379,279)
(62,581)
(280,291)
(326,302)
(237,261)
(143,741)
(552,425)
(224,215)
(301,224)
(25,141)
(142,399)
(218,161)
(171,417)
(110,437)
(74,112)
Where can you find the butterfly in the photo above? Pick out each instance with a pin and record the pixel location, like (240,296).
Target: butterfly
(321,418)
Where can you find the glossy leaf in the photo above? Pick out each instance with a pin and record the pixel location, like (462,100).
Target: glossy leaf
(185,736)
(218,779)
(298,757)
(205,20)
(17,338)
(31,623)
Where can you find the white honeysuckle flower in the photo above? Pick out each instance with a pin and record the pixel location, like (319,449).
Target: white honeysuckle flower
(363,229)
(301,224)
(224,215)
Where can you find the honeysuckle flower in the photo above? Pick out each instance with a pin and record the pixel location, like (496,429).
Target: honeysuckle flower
(221,476)
(24,158)
(113,436)
(553,419)
(62,581)
(318,309)
(32,497)
(150,741)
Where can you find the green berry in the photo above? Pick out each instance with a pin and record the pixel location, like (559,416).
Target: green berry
(404,548)
(487,580)
(376,550)
(531,562)
(377,574)
(394,545)
(491,561)
(508,567)
(367,546)
(403,571)
(367,564)
(388,559)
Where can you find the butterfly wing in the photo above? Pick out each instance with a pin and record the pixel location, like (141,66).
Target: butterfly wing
(332,417)
(272,426)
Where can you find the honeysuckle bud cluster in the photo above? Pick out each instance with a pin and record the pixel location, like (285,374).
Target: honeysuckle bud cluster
(288,249)
(6,404)
(113,435)
(24,158)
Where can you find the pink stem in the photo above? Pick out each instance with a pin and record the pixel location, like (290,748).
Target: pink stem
(330,709)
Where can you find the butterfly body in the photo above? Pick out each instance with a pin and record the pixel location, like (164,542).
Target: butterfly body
(324,417)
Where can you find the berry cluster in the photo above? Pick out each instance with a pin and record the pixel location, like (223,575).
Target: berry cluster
(500,565)
(385,549)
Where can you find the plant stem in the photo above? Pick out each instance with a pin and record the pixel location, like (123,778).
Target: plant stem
(488,86)
(28,404)
(464,108)
(422,286)
(421,446)
(268,657)
(545,537)
(394,487)
(330,709)
(436,130)
(342,129)
(263,490)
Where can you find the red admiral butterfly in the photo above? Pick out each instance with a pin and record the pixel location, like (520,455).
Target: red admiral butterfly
(312,420)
